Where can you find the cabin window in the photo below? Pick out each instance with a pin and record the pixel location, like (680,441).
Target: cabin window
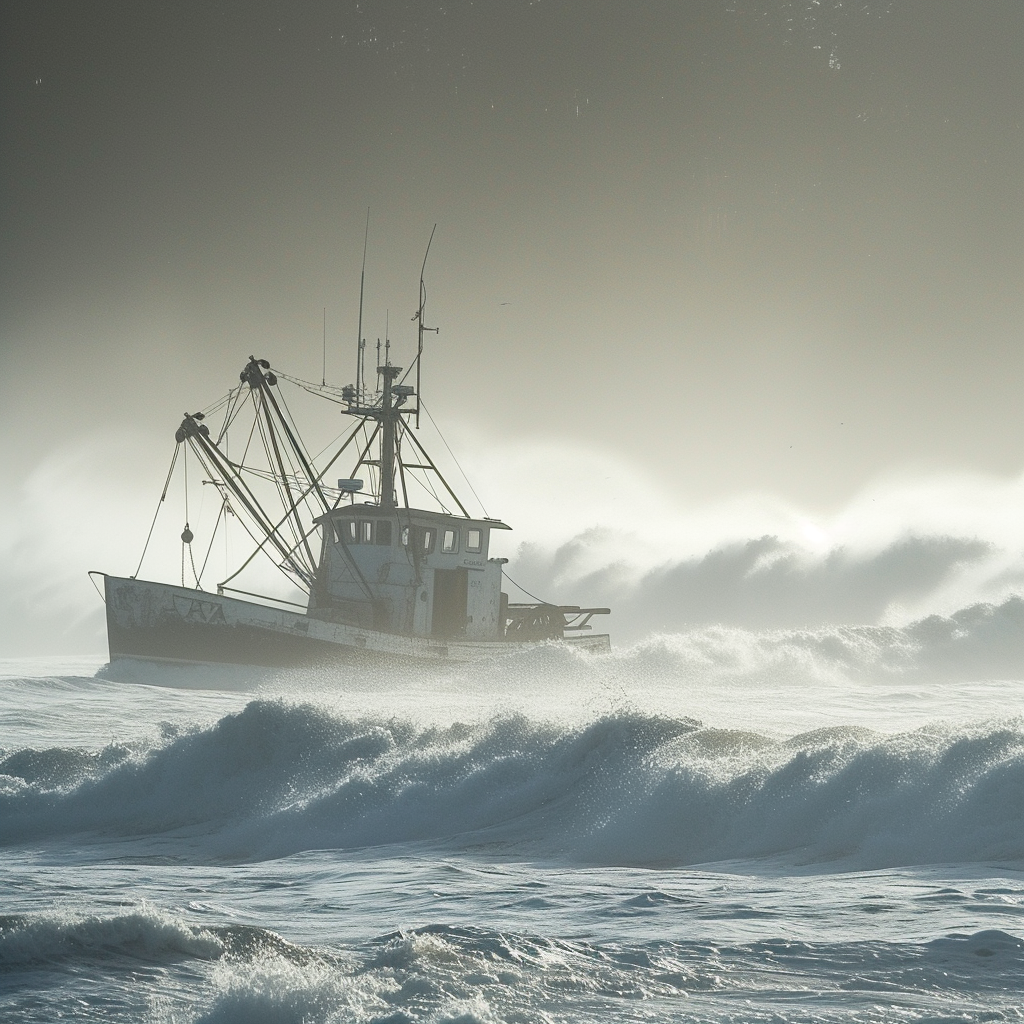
(450,541)
(352,531)
(366,533)
(474,540)
(384,532)
(405,536)
(429,535)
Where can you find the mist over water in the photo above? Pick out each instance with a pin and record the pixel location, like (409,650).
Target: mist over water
(592,529)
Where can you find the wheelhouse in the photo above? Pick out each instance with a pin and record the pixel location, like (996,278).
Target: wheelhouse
(409,571)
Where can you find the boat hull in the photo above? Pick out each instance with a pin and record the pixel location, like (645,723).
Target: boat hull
(162,622)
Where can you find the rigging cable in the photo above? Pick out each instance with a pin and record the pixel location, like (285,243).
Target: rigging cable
(452,454)
(270,531)
(213,536)
(297,447)
(525,591)
(227,414)
(424,483)
(440,476)
(186,535)
(192,559)
(308,481)
(163,495)
(429,488)
(186,531)
(235,405)
(329,391)
(230,475)
(330,444)
(280,484)
(252,430)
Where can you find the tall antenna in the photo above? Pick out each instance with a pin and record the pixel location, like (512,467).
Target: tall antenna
(360,342)
(323,381)
(419,317)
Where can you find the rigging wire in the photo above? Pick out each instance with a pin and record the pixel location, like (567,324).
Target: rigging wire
(253,510)
(440,476)
(524,590)
(285,503)
(213,536)
(367,438)
(261,546)
(329,392)
(218,467)
(428,487)
(297,447)
(307,486)
(234,409)
(163,496)
(264,474)
(252,429)
(301,451)
(292,479)
(299,534)
(452,454)
(184,464)
(186,534)
(331,444)
(192,559)
(218,403)
(227,416)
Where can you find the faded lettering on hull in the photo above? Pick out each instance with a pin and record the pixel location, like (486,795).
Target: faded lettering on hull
(194,609)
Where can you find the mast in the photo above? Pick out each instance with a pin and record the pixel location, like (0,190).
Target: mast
(389,417)
(385,405)
(419,317)
(360,343)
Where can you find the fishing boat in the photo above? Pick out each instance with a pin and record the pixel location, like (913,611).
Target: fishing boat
(389,560)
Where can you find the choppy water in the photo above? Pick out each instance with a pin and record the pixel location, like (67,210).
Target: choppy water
(713,826)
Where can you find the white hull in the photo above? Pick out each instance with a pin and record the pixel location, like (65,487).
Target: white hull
(161,622)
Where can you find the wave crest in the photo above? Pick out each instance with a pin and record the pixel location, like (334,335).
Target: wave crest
(627,788)
(146,933)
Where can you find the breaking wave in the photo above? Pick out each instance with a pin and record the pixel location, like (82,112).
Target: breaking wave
(438,960)
(476,976)
(983,641)
(627,788)
(144,934)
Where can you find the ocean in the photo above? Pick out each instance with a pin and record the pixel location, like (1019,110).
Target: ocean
(714,825)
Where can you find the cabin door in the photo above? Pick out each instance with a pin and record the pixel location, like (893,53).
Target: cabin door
(451,593)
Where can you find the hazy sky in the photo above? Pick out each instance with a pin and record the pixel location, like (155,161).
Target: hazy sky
(770,247)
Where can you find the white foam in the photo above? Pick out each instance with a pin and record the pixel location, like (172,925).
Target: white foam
(625,788)
(145,933)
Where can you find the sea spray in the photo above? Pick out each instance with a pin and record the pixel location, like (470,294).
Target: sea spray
(627,788)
